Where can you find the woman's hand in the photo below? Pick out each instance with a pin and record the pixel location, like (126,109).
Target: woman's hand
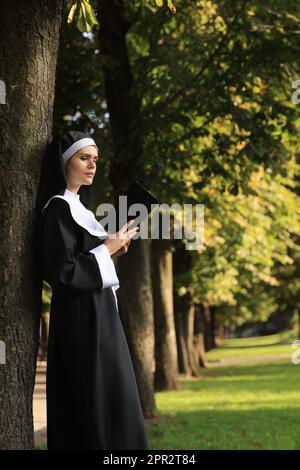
(119,242)
(122,250)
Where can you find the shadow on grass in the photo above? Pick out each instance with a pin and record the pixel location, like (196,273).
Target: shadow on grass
(258,346)
(275,377)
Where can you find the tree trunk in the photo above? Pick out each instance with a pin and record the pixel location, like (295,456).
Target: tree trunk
(122,101)
(166,361)
(199,348)
(219,334)
(184,320)
(213,327)
(123,105)
(29,37)
(209,335)
(136,311)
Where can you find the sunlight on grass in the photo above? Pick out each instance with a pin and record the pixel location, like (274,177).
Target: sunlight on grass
(271,345)
(244,406)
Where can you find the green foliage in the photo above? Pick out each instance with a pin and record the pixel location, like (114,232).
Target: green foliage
(218,127)
(46,296)
(209,84)
(250,239)
(85,16)
(159,3)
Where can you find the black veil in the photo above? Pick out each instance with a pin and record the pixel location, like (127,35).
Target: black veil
(53,179)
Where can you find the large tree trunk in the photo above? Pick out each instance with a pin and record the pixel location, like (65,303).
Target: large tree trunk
(29,37)
(166,361)
(136,311)
(184,320)
(135,294)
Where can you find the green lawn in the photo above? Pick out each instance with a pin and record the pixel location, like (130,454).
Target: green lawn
(239,406)
(271,345)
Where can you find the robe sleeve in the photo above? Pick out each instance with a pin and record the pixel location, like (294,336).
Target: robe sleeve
(63,266)
(106,266)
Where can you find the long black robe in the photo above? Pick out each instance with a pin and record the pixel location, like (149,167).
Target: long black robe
(92,395)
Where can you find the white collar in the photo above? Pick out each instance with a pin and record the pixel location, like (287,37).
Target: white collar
(82,216)
(71,194)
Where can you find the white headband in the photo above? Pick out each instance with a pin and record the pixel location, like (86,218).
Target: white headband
(79,144)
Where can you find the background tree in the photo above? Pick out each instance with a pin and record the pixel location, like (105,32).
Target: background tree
(207,78)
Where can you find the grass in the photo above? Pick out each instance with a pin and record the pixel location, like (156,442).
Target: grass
(240,406)
(271,345)
(252,405)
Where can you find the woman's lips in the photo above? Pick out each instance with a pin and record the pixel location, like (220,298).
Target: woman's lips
(91,175)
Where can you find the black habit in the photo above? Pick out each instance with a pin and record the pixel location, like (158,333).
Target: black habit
(92,395)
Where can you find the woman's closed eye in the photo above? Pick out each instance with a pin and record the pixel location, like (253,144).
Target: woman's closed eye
(86,158)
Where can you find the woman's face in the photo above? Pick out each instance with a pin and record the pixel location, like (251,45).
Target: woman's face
(81,167)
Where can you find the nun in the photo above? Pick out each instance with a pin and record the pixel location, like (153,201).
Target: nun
(92,396)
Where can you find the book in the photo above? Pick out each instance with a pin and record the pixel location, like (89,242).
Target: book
(137,194)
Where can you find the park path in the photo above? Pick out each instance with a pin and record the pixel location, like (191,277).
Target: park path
(39,405)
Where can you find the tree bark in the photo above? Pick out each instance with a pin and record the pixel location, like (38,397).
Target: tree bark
(209,330)
(134,272)
(213,327)
(219,335)
(123,104)
(166,361)
(29,37)
(199,348)
(184,320)
(136,311)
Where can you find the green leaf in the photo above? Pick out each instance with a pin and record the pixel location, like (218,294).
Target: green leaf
(91,18)
(82,24)
(72,12)
(86,18)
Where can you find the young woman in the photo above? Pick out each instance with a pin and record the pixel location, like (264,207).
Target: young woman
(92,395)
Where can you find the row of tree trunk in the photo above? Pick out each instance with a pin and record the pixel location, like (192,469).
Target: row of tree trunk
(184,330)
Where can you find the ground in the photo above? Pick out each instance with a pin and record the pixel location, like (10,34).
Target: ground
(248,398)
